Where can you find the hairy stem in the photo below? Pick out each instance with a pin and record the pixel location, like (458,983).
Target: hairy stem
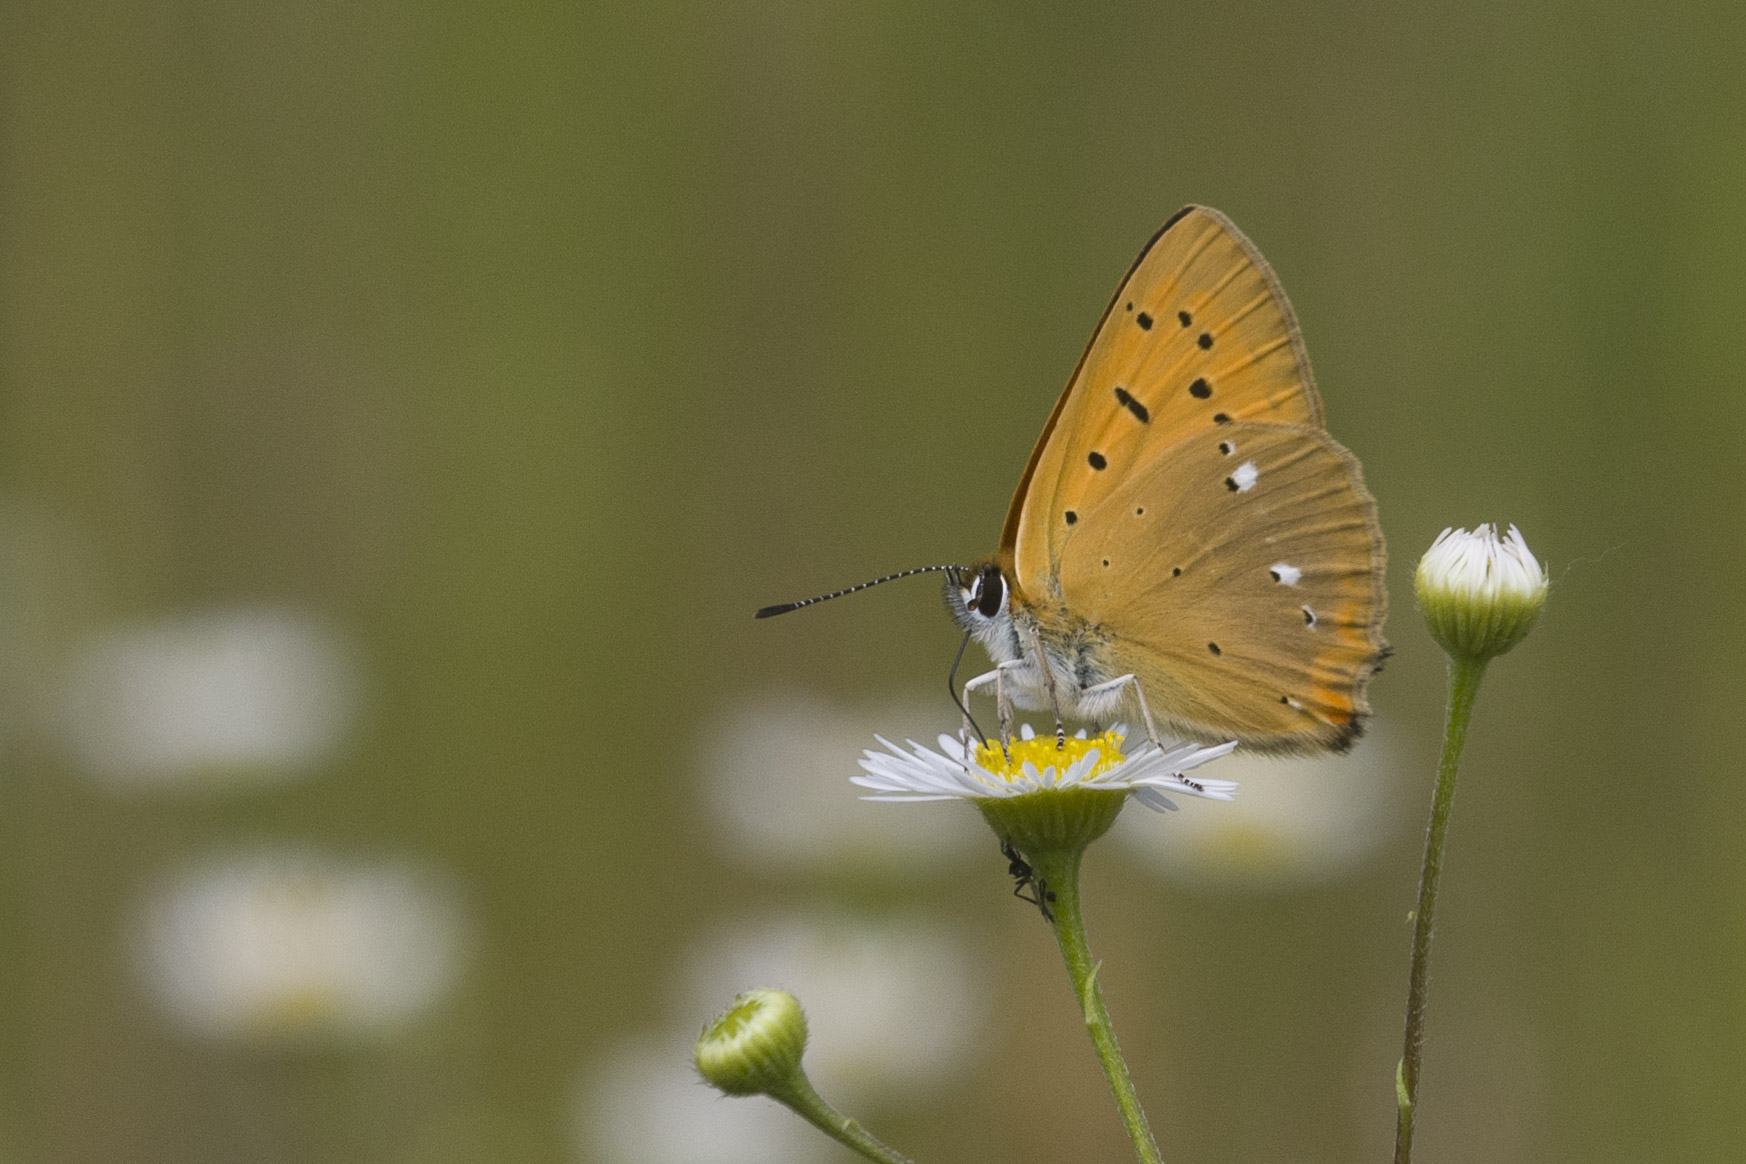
(1464,676)
(811,1107)
(1058,878)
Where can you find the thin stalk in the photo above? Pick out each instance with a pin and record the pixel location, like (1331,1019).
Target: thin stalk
(1465,672)
(811,1107)
(1058,873)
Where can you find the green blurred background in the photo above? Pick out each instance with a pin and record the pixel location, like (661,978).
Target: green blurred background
(406,406)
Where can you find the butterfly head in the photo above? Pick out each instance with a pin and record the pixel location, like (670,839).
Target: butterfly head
(981,600)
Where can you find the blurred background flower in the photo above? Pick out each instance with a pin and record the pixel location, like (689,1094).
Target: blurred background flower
(217,697)
(779,791)
(1294,823)
(892,1002)
(640,1105)
(298,946)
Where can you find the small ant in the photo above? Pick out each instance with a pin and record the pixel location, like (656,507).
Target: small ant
(1023,875)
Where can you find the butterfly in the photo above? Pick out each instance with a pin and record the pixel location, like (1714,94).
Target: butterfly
(1186,534)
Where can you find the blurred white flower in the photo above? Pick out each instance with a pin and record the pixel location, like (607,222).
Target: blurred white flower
(1299,822)
(893,1010)
(643,1103)
(891,1003)
(773,768)
(297,946)
(244,695)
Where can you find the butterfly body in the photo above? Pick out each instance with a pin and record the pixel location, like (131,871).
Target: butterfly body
(1186,534)
(1077,653)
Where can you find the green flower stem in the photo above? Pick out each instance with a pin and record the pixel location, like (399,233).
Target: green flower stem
(1465,672)
(1057,871)
(798,1094)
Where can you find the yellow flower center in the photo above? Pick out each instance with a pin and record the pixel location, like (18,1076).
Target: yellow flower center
(1045,754)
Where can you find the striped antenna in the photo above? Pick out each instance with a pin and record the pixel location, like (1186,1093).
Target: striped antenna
(785,607)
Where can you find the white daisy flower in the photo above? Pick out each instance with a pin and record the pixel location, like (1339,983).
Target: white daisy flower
(1033,764)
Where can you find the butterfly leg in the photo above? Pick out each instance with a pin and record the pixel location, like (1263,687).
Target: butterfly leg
(1145,712)
(1002,699)
(1049,686)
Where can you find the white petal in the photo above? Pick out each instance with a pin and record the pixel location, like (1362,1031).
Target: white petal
(1154,800)
(1206,790)
(910,798)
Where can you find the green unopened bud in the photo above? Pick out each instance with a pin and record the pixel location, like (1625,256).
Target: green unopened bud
(754,1047)
(1480,594)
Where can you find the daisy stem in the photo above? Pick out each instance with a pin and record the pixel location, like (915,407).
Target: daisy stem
(1058,875)
(1465,672)
(799,1096)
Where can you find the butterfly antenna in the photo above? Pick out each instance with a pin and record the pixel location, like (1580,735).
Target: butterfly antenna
(785,607)
(952,688)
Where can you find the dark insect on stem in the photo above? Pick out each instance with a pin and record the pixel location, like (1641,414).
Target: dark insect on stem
(1024,877)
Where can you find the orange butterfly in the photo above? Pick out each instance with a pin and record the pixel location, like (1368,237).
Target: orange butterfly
(1186,532)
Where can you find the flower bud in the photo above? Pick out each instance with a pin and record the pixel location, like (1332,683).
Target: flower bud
(754,1047)
(1480,594)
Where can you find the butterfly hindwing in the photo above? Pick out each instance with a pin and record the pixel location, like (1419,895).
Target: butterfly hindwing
(1198,336)
(1240,576)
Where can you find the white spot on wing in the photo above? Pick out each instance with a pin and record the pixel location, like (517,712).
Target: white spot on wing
(1246,476)
(1282,572)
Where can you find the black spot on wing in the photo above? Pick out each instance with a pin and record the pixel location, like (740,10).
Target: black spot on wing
(1214,648)
(1200,389)
(1187,319)
(1221,418)
(1144,320)
(1097,461)
(1071,517)
(1134,406)
(1205,341)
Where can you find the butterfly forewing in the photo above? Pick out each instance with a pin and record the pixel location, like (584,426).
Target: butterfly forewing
(1240,576)
(1198,336)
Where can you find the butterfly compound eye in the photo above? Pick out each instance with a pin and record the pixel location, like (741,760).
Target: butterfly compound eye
(993,592)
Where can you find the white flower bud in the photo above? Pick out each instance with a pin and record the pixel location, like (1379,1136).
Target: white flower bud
(1480,594)
(754,1047)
